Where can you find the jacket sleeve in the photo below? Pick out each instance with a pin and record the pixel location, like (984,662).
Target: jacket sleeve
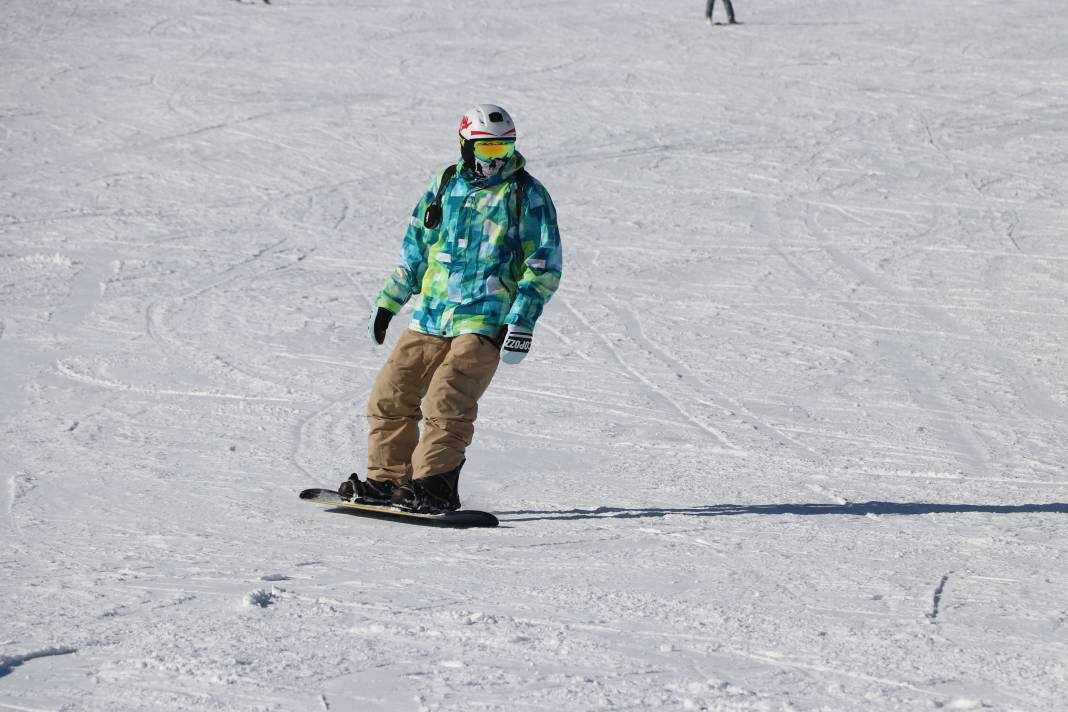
(543,258)
(406,278)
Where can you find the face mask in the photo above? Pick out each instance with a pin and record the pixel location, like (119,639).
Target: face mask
(486,158)
(490,168)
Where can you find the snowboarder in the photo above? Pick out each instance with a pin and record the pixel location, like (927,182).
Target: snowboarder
(727,6)
(483,251)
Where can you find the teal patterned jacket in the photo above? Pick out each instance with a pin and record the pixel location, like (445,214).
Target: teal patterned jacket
(476,272)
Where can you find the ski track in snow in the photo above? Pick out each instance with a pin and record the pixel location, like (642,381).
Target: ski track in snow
(8,663)
(652,386)
(790,436)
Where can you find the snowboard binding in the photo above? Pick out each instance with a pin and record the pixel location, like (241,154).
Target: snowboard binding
(370,491)
(430,495)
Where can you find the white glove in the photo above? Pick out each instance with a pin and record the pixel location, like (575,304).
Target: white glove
(516,345)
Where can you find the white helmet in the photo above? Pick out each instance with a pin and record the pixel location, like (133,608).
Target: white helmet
(486,121)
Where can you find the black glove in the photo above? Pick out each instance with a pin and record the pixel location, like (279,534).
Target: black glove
(378,323)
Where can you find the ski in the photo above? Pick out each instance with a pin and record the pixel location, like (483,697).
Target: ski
(460,519)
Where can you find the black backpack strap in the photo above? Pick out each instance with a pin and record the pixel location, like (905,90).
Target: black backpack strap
(432,216)
(521,177)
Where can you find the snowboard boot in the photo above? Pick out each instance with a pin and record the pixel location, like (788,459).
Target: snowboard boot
(430,495)
(371,491)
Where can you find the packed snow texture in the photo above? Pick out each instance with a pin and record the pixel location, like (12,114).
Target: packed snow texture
(791,435)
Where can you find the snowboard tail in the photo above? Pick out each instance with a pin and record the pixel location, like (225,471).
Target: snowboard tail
(461,518)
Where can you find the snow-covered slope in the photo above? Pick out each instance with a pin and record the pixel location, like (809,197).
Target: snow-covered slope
(791,437)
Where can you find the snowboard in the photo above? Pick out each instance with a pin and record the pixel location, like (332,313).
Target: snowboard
(460,519)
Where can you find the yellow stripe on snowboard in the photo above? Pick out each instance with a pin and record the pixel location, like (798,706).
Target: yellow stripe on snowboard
(381,510)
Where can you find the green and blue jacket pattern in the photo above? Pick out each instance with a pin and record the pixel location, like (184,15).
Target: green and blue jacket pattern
(478,271)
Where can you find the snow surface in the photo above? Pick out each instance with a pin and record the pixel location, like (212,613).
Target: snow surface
(791,437)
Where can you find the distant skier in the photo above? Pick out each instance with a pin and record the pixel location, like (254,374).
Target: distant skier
(727,5)
(483,250)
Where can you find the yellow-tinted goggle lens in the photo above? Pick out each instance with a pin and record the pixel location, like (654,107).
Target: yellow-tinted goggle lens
(489,150)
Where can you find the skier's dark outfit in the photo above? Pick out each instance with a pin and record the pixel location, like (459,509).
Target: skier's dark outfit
(726,4)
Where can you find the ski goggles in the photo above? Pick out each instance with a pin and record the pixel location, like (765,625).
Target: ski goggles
(492,150)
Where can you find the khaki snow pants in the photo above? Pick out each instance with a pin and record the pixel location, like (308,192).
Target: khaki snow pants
(438,380)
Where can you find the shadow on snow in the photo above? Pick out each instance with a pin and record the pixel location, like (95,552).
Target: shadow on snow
(850,508)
